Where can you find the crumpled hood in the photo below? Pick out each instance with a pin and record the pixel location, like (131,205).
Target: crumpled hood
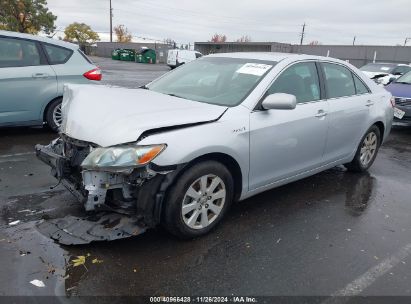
(110,116)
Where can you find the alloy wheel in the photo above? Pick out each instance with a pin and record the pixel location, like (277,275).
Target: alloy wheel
(203,201)
(368,148)
(57,115)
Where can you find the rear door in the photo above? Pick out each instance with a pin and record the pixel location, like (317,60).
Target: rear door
(350,101)
(26,81)
(172,57)
(284,143)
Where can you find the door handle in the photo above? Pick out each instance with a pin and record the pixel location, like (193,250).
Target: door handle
(321,113)
(369,103)
(40,75)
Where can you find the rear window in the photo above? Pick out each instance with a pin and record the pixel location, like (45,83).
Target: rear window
(360,87)
(85,56)
(338,81)
(56,54)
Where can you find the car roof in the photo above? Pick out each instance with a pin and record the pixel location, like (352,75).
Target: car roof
(40,38)
(273,56)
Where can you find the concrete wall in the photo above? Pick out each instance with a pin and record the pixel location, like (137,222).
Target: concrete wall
(104,49)
(357,55)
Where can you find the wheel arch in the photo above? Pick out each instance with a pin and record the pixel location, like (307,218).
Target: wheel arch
(226,160)
(380,125)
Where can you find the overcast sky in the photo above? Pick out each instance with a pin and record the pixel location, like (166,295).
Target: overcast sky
(379,22)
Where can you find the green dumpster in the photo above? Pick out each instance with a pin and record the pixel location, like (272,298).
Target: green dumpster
(146,56)
(115,54)
(128,55)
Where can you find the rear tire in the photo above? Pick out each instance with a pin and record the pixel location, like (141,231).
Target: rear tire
(367,151)
(54,116)
(199,199)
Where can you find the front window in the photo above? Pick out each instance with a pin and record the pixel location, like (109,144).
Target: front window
(300,80)
(405,79)
(18,53)
(215,80)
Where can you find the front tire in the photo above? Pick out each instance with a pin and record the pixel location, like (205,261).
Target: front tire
(198,200)
(366,151)
(54,116)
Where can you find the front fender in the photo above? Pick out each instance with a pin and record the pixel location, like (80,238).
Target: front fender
(229,135)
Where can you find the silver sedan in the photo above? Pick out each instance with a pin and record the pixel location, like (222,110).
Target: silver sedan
(223,128)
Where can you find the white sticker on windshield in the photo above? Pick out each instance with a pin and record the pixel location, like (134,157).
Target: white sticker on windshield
(257,69)
(385,68)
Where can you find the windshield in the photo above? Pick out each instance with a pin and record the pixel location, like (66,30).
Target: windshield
(378,67)
(406,78)
(215,80)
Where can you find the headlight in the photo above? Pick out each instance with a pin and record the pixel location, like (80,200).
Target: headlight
(121,157)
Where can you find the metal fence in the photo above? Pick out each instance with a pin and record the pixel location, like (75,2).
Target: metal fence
(357,55)
(229,47)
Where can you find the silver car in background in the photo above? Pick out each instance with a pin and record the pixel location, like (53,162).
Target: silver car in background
(33,71)
(220,129)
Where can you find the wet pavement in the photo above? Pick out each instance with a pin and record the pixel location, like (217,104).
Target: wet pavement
(330,234)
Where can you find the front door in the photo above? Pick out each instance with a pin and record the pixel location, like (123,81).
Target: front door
(284,143)
(26,81)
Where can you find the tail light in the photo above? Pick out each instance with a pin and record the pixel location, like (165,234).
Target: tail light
(392,101)
(94,74)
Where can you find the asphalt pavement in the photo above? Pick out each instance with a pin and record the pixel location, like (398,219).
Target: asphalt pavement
(335,233)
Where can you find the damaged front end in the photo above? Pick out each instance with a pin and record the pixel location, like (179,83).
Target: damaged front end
(119,179)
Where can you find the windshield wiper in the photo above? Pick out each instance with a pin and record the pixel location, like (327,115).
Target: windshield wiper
(144,87)
(174,95)
(402,82)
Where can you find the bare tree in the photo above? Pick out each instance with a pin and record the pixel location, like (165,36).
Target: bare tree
(218,38)
(170,42)
(122,33)
(315,42)
(244,38)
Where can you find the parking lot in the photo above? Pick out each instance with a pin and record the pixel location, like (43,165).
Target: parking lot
(336,233)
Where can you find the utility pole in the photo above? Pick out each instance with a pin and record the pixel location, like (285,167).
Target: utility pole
(111,23)
(302,34)
(353,42)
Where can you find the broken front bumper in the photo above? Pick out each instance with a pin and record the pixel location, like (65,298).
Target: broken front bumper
(139,192)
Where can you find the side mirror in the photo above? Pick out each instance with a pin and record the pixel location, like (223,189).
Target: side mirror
(279,101)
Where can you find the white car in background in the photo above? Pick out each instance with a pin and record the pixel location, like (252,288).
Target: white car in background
(385,73)
(177,57)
